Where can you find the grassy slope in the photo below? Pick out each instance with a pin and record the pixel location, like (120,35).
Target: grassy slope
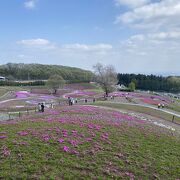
(2,91)
(145,110)
(5,89)
(175,107)
(131,150)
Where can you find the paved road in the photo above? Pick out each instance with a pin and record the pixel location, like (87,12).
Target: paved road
(4,101)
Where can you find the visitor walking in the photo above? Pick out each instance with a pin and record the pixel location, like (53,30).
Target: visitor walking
(69,101)
(42,107)
(39,107)
(52,106)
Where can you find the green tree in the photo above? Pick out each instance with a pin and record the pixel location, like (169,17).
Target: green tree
(131,86)
(55,82)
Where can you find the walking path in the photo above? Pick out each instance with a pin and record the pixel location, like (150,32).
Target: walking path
(14,99)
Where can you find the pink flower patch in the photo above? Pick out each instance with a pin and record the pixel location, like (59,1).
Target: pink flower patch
(88,139)
(3,137)
(73,142)
(60,140)
(90,126)
(74,132)
(75,152)
(22,133)
(66,148)
(45,137)
(151,101)
(3,132)
(5,151)
(131,175)
(104,136)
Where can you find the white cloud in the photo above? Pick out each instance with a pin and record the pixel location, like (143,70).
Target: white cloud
(30,4)
(44,43)
(157,47)
(160,36)
(38,43)
(131,3)
(158,15)
(141,53)
(151,52)
(85,47)
(34,42)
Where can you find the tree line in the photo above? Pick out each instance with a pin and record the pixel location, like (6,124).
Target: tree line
(151,82)
(42,72)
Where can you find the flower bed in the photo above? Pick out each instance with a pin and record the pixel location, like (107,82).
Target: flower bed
(22,94)
(86,142)
(78,93)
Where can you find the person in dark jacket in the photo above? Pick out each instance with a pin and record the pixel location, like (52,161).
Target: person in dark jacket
(42,107)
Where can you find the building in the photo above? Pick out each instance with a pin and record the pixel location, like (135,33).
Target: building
(2,78)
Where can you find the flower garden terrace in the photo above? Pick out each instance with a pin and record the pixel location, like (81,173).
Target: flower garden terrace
(31,96)
(87,142)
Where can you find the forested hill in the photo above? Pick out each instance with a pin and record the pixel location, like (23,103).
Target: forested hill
(151,82)
(43,72)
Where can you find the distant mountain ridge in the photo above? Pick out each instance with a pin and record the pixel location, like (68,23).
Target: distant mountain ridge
(21,71)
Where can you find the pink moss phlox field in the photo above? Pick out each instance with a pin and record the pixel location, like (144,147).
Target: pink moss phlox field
(66,148)
(113,141)
(78,93)
(151,101)
(146,98)
(5,151)
(15,142)
(22,133)
(3,137)
(91,120)
(60,140)
(22,94)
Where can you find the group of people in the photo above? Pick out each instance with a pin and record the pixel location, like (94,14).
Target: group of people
(160,105)
(41,107)
(71,101)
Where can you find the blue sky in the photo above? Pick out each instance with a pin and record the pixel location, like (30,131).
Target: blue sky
(136,36)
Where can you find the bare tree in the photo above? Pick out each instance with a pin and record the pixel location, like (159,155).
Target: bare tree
(106,76)
(55,82)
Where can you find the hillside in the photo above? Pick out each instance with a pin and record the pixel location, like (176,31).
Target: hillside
(43,72)
(87,142)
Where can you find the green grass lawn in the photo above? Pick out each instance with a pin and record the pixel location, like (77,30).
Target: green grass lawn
(175,107)
(81,142)
(145,110)
(96,89)
(5,89)
(2,91)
